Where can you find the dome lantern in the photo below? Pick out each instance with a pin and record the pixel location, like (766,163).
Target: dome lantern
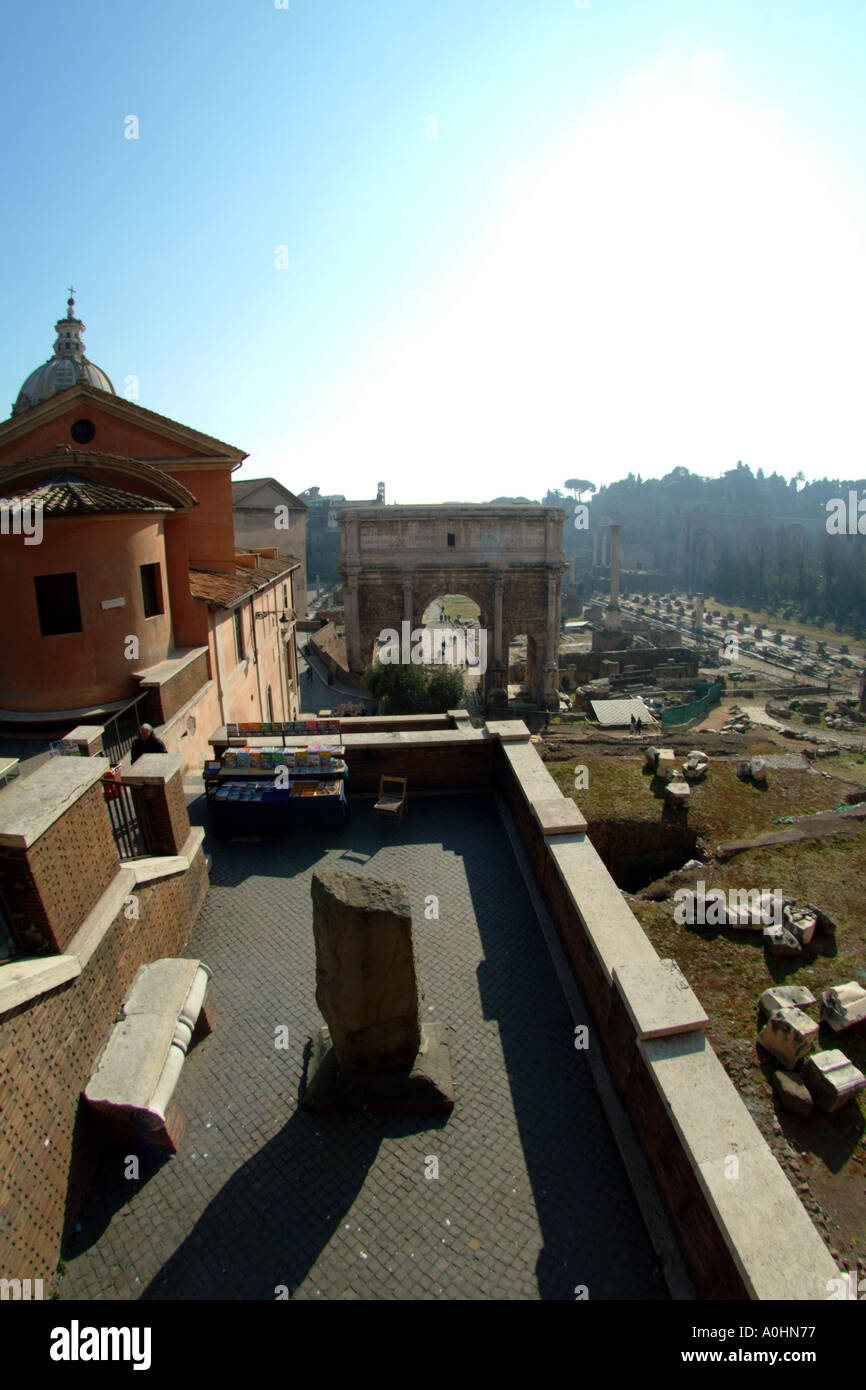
(68,365)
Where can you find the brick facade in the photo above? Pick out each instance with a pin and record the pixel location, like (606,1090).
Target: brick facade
(49,1045)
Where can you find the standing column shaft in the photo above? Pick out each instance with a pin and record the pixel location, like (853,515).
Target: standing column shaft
(498,587)
(614,566)
(352,616)
(408,596)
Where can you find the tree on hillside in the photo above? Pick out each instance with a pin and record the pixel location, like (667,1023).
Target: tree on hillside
(579,486)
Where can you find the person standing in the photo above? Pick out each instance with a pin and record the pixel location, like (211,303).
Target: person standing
(147,742)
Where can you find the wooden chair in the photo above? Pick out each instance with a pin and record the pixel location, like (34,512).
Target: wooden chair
(392,802)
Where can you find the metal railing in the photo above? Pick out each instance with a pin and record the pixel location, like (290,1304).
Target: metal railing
(119,732)
(129,823)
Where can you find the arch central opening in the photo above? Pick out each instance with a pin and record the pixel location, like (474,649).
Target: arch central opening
(457,636)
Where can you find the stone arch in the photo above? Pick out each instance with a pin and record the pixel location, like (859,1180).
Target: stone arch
(507,558)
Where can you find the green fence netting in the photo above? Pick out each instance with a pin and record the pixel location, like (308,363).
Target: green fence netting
(708,695)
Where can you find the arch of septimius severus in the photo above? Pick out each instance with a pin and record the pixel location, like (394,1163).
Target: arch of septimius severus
(509,559)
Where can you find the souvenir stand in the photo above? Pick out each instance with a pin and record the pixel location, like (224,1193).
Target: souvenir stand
(288,776)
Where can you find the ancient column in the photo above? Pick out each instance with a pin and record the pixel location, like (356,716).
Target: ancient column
(611,615)
(498,590)
(614,566)
(408,598)
(551,637)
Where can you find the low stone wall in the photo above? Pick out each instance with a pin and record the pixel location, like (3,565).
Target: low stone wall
(742,1230)
(56,1011)
(431,762)
(170,691)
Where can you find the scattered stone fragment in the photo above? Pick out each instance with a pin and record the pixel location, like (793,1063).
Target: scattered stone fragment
(744,770)
(843,1006)
(793,1095)
(801,923)
(677,793)
(788,1035)
(786,997)
(666,759)
(651,757)
(695,767)
(832,1079)
(758,770)
(779,941)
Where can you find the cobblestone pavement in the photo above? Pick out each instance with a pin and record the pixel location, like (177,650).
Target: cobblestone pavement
(531,1198)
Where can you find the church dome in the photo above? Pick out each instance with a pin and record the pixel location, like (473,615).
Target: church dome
(67,367)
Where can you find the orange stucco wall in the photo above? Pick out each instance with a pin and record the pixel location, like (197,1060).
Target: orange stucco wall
(70,670)
(245,683)
(211,532)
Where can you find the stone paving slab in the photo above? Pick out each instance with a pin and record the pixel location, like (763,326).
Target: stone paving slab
(531,1198)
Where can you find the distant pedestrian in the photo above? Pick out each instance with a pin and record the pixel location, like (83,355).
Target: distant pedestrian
(632,723)
(639,724)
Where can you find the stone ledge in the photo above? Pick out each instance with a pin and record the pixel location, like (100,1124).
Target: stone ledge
(98,921)
(772,1241)
(659,1001)
(87,736)
(165,671)
(508,730)
(558,816)
(167,865)
(21,980)
(616,936)
(32,804)
(152,769)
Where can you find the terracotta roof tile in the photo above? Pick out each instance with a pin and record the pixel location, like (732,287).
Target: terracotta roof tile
(225,590)
(68,494)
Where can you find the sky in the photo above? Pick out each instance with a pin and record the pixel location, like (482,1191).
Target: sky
(468,248)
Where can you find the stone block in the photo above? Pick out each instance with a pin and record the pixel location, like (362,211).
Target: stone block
(825,924)
(788,1035)
(666,759)
(779,941)
(786,997)
(366,978)
(800,922)
(793,1095)
(843,1006)
(678,793)
(832,1079)
(132,1086)
(423,1087)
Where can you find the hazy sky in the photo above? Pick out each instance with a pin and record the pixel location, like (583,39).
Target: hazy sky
(523,240)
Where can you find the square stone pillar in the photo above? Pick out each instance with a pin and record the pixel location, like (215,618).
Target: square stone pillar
(156,780)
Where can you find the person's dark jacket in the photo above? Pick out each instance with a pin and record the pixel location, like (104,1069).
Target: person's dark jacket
(146,745)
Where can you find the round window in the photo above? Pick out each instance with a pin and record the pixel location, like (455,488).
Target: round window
(83,431)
